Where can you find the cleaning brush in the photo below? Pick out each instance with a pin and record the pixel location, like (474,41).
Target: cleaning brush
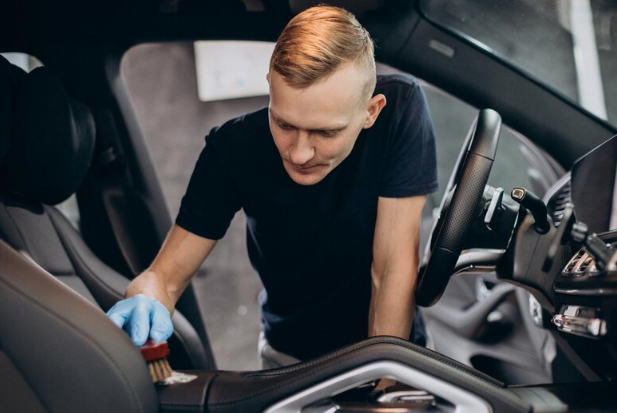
(156,357)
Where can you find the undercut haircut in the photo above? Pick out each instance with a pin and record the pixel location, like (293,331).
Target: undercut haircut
(319,41)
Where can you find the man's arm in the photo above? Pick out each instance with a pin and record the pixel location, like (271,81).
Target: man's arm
(171,271)
(152,296)
(395,265)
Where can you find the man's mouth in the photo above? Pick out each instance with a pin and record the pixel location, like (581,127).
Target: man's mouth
(304,168)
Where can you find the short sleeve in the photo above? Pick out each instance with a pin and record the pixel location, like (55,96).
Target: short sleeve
(410,167)
(212,197)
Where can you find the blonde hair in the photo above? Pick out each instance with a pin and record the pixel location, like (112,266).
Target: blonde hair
(320,40)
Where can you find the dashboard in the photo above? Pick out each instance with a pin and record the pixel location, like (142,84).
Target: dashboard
(578,283)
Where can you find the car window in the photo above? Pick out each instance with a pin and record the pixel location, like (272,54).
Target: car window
(231,69)
(518,162)
(23,60)
(452,119)
(567,45)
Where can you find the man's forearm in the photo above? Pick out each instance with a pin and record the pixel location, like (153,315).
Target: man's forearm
(174,266)
(395,263)
(392,305)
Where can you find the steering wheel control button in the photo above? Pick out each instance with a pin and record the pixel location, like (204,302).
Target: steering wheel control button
(581,321)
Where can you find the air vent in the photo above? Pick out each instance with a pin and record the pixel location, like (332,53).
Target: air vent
(585,264)
(581,264)
(574,263)
(560,201)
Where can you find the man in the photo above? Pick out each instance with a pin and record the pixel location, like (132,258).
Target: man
(332,182)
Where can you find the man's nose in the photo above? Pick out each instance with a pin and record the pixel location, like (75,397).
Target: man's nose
(302,151)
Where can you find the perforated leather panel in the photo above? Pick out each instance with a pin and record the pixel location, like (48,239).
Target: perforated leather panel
(473,179)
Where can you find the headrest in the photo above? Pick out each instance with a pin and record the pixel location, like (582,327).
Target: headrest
(9,79)
(53,141)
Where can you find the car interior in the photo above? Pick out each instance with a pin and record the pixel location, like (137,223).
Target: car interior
(519,246)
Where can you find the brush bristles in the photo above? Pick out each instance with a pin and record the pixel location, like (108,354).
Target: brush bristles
(159,370)
(155,355)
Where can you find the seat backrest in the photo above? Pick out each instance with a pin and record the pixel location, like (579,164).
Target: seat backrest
(59,353)
(49,143)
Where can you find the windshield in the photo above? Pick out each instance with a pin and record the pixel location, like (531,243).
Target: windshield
(570,46)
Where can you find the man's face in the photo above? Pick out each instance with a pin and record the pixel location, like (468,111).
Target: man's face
(316,128)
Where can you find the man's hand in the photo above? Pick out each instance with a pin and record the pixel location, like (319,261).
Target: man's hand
(142,317)
(152,295)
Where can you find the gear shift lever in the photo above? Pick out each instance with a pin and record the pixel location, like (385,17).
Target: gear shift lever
(534,205)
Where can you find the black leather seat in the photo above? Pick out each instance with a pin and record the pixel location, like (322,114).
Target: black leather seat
(59,353)
(48,141)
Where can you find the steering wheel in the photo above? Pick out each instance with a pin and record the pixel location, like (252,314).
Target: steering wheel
(459,206)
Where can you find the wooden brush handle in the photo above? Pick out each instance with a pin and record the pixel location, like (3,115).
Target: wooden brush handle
(154,351)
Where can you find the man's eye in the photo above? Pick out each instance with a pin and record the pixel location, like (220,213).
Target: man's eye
(326,133)
(285,126)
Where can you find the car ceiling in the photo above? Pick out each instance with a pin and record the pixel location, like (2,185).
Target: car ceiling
(31,22)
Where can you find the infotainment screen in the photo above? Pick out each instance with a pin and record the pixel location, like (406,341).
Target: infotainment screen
(594,193)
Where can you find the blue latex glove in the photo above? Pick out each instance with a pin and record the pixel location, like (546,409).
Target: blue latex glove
(142,317)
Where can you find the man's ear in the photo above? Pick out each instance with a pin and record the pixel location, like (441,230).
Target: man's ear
(374,107)
(268,77)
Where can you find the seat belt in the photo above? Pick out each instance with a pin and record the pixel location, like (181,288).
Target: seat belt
(113,176)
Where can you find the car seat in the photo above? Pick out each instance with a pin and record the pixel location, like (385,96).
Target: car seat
(58,353)
(47,140)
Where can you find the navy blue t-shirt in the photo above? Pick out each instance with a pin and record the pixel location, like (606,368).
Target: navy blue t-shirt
(312,245)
